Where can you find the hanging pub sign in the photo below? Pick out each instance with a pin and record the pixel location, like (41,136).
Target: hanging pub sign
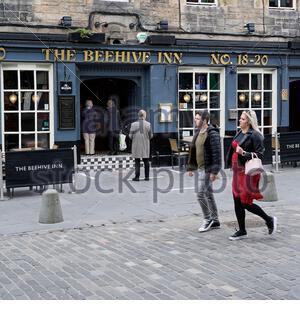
(38,167)
(66,112)
(66,87)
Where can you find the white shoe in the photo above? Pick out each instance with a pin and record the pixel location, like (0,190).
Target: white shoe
(206,225)
(272,227)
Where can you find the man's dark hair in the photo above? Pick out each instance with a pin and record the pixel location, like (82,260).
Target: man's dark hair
(204,115)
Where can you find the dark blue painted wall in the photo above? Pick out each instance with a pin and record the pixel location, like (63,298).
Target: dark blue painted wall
(66,72)
(155,83)
(163,89)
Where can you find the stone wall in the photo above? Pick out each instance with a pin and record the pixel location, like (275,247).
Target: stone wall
(228,17)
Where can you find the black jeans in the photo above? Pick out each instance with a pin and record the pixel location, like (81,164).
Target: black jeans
(138,166)
(113,141)
(241,214)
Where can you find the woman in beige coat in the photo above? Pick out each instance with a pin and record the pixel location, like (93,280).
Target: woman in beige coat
(140,134)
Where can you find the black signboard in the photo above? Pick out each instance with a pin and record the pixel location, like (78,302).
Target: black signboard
(267,159)
(289,146)
(39,167)
(65,87)
(66,116)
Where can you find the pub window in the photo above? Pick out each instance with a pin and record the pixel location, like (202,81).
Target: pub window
(282,4)
(203,2)
(256,92)
(27,107)
(199,89)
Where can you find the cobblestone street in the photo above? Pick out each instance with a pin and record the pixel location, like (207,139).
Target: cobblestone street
(162,259)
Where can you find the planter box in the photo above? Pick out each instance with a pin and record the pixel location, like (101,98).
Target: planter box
(96,37)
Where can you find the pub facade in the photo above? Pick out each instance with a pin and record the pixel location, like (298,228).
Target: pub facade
(173,60)
(44,86)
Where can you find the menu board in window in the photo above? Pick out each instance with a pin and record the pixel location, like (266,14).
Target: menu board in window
(66,113)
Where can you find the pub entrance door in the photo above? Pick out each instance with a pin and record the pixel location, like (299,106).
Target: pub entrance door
(126,96)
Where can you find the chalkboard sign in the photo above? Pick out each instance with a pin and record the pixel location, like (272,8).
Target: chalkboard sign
(66,113)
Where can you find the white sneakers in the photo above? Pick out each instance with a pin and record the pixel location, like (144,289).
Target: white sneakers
(206,225)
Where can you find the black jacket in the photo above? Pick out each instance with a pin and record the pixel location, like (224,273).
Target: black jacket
(212,152)
(114,122)
(90,120)
(253,141)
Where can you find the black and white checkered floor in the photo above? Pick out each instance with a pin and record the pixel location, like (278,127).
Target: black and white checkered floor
(106,162)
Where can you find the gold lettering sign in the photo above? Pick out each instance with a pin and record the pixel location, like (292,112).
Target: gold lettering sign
(2,54)
(220,58)
(59,54)
(71,55)
(241,59)
(110,56)
(88,55)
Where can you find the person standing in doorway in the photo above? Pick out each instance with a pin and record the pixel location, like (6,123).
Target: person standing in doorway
(113,129)
(141,134)
(90,124)
(245,188)
(205,159)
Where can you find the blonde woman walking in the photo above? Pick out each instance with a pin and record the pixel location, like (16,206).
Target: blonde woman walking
(245,187)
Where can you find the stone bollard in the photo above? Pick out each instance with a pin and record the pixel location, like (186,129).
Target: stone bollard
(50,211)
(269,192)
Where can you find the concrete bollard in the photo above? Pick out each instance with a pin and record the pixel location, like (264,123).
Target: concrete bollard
(270,192)
(50,211)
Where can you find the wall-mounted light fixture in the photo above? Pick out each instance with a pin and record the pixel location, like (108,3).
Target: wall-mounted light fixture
(142,37)
(187,97)
(66,21)
(250,27)
(13,98)
(163,25)
(98,24)
(132,25)
(242,97)
(137,25)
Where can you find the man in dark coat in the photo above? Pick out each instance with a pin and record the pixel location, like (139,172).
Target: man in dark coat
(113,129)
(205,158)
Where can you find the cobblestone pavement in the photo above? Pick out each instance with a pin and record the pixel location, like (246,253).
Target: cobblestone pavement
(154,260)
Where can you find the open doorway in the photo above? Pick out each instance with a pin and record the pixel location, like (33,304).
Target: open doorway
(294,111)
(127,97)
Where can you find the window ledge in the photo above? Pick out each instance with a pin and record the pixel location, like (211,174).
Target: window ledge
(282,8)
(201,4)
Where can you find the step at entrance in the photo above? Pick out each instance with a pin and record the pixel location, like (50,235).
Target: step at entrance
(106,162)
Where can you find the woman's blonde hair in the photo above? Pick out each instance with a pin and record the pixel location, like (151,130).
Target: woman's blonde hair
(142,114)
(252,119)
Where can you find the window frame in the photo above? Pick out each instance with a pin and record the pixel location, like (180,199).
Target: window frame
(221,90)
(262,71)
(279,7)
(199,3)
(35,68)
